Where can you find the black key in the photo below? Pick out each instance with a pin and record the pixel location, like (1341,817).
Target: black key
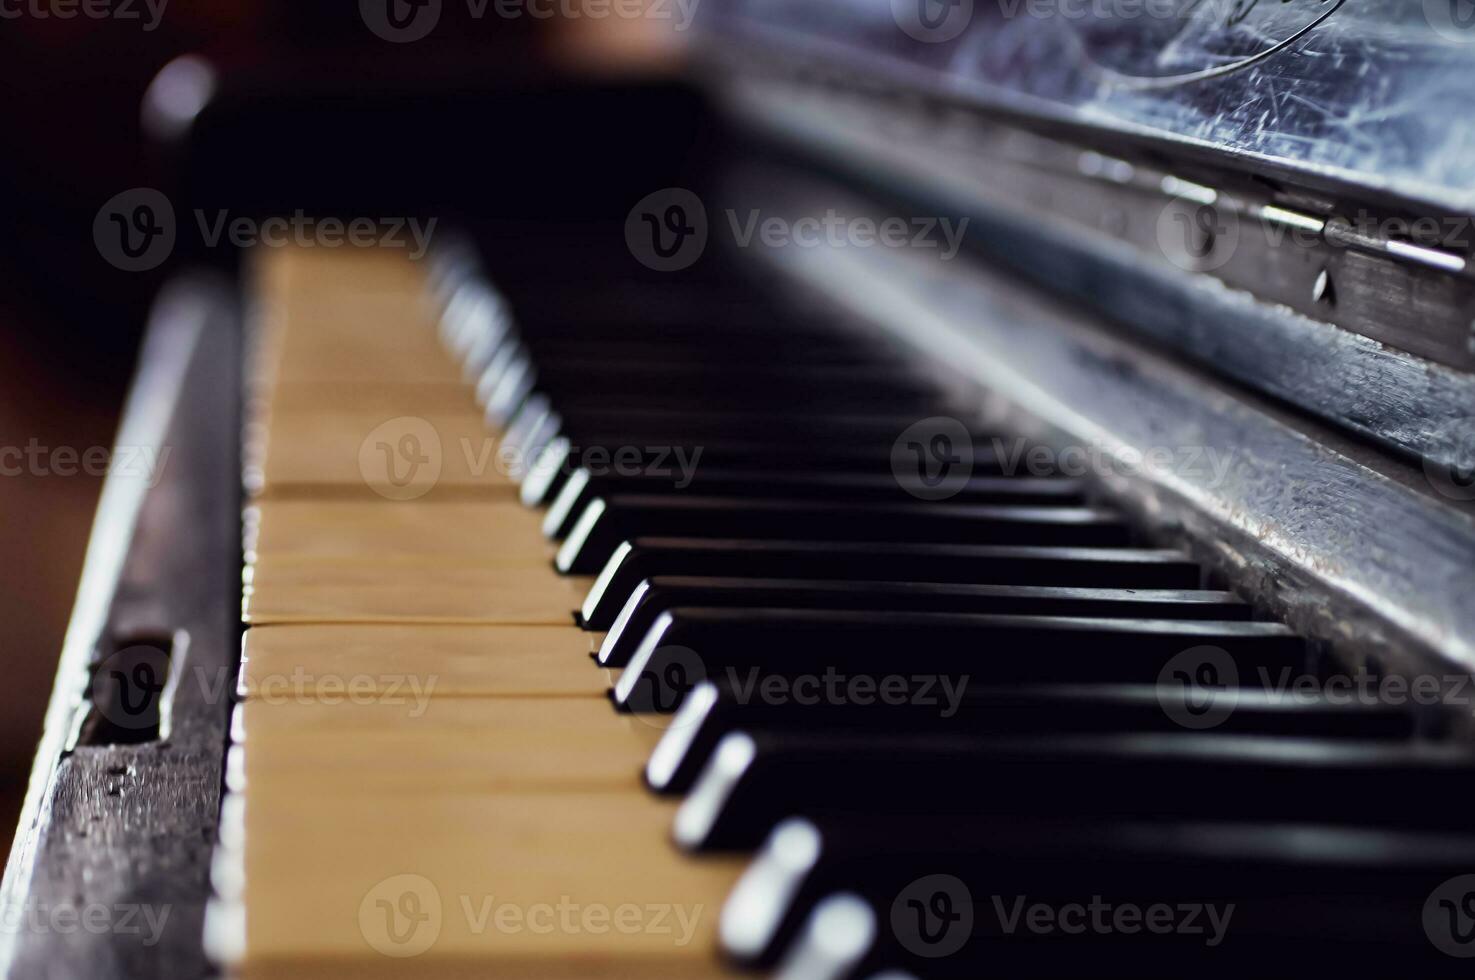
(758,438)
(466,322)
(701,352)
(1311,899)
(762,422)
(699,329)
(755,780)
(645,557)
(714,710)
(808,484)
(657,595)
(672,454)
(765,423)
(588,386)
(584,371)
(609,521)
(750,646)
(507,371)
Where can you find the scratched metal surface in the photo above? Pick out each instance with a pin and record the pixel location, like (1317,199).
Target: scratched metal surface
(1364,382)
(1364,92)
(123,833)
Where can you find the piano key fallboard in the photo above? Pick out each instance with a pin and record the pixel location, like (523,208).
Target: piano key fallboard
(646,648)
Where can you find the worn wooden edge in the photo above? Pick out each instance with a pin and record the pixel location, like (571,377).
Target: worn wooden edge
(129,828)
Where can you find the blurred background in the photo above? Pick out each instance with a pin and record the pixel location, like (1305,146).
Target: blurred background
(70,323)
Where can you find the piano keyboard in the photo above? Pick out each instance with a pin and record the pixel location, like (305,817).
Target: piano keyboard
(630,650)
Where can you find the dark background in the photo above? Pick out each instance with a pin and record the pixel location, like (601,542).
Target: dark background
(70,323)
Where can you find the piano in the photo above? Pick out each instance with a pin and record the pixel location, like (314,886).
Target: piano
(941,489)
